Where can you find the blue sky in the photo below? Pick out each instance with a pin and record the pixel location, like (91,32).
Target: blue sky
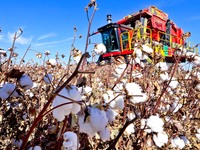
(48,24)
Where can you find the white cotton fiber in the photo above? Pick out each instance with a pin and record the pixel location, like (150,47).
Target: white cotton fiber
(74,93)
(25,82)
(98,119)
(59,114)
(133,89)
(155,123)
(160,139)
(75,108)
(99,48)
(142,97)
(177,142)
(85,126)
(70,140)
(130,129)
(62,110)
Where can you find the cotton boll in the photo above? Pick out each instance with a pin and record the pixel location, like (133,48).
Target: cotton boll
(189,54)
(105,134)
(98,119)
(198,87)
(70,140)
(196,60)
(147,49)
(25,82)
(160,139)
(174,84)
(99,49)
(108,96)
(119,70)
(143,123)
(133,89)
(162,65)
(131,116)
(48,78)
(119,87)
(164,76)
(198,130)
(64,109)
(87,90)
(175,106)
(130,129)
(177,142)
(137,60)
(52,62)
(138,53)
(197,136)
(155,123)
(85,126)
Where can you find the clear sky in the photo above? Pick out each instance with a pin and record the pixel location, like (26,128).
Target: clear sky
(48,24)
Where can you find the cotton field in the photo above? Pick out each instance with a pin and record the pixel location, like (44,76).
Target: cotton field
(142,108)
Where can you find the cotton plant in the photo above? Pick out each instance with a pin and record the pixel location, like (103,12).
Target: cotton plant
(62,111)
(70,141)
(134,91)
(25,82)
(94,121)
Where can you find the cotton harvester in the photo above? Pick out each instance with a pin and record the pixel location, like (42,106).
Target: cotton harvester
(149,30)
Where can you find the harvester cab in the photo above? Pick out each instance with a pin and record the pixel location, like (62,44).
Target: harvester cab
(149,26)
